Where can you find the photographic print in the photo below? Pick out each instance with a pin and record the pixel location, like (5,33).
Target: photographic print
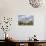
(25,20)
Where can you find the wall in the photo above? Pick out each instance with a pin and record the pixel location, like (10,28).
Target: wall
(24,32)
(45,28)
(13,8)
